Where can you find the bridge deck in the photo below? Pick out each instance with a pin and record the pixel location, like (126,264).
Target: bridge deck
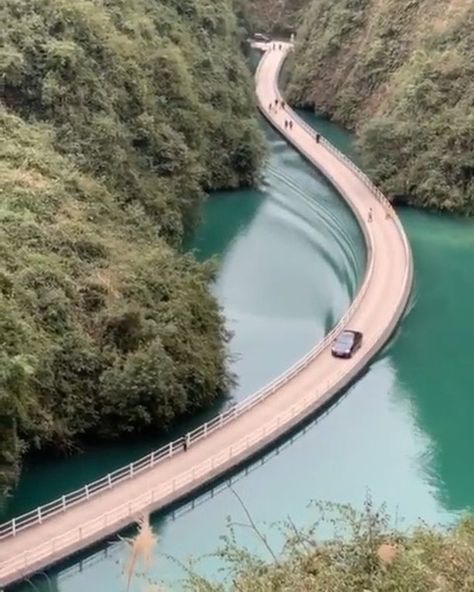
(380,305)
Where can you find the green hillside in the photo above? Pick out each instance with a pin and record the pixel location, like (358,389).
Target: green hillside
(401,73)
(115,117)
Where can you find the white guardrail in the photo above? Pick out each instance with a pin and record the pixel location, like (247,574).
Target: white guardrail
(342,157)
(117,514)
(135,507)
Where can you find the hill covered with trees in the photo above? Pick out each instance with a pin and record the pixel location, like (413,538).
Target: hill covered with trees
(401,74)
(115,117)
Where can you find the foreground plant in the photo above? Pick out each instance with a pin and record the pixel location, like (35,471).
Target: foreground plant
(363,554)
(141,548)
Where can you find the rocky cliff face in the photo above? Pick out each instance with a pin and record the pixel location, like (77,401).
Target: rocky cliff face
(401,74)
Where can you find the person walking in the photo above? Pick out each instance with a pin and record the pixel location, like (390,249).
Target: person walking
(317,138)
(279,47)
(286,124)
(370,216)
(282,103)
(270,107)
(276,103)
(290,123)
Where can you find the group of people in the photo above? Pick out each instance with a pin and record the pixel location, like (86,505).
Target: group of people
(280,103)
(274,46)
(388,214)
(276,103)
(289,125)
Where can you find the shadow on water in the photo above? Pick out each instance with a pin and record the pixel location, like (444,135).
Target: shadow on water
(434,354)
(224,216)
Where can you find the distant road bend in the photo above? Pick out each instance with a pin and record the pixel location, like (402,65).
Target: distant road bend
(35,540)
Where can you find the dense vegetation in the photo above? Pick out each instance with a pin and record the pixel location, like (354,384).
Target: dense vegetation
(401,73)
(279,17)
(365,555)
(115,117)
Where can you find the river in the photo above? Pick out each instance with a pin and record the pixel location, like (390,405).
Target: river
(290,258)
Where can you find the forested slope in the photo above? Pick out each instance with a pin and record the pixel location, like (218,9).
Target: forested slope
(115,117)
(280,17)
(401,73)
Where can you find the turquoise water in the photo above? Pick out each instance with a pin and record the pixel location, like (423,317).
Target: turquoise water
(290,258)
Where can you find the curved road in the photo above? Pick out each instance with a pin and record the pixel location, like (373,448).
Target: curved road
(376,310)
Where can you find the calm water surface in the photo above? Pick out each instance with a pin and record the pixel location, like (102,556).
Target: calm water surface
(290,259)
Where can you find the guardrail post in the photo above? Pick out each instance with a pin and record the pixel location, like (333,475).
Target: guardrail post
(40,518)
(152,459)
(109,480)
(170,449)
(131,470)
(13,527)
(87,491)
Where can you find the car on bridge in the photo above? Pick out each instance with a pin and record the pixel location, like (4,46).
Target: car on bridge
(261,38)
(346,344)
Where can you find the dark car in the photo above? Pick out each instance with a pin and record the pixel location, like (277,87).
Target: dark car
(346,344)
(261,37)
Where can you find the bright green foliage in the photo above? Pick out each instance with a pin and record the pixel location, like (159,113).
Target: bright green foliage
(401,72)
(364,555)
(116,115)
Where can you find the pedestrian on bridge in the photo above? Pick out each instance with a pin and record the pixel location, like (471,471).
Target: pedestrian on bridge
(282,103)
(290,123)
(276,103)
(286,124)
(279,47)
(317,138)
(371,215)
(270,107)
